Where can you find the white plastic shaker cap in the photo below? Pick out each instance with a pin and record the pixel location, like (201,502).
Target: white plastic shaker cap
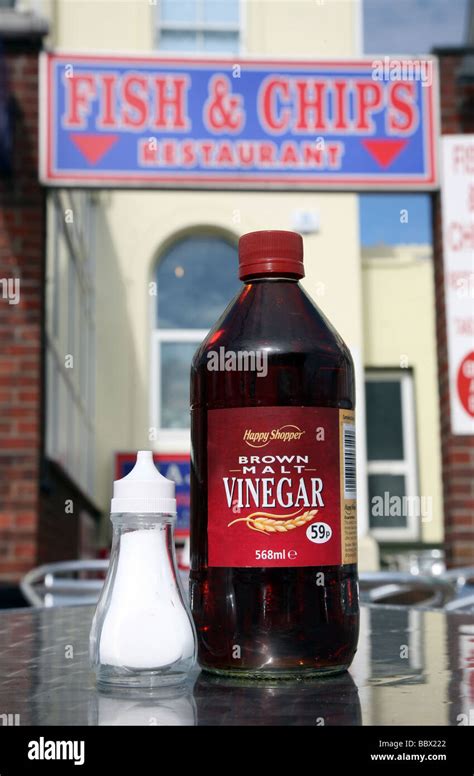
(144,490)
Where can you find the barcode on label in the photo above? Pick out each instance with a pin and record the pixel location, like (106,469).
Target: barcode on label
(348,437)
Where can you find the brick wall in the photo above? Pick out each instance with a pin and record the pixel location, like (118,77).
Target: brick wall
(457,117)
(34,524)
(22,237)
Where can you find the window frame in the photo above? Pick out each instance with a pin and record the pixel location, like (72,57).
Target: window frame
(170,439)
(199,27)
(408,466)
(173,440)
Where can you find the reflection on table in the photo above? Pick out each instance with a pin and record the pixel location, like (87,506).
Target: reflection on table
(412,667)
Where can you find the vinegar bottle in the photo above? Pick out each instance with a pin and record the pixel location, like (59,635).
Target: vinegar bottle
(273,582)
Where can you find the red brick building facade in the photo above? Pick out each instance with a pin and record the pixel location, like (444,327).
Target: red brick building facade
(34,525)
(457,117)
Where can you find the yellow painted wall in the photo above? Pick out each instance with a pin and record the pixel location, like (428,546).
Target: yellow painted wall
(270,27)
(99,25)
(399,327)
(318,28)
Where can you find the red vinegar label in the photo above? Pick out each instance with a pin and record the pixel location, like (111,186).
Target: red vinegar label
(282,488)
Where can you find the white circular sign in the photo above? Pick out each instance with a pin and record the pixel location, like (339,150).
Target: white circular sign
(319,533)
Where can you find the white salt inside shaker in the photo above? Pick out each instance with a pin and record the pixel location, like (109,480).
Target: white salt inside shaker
(142,632)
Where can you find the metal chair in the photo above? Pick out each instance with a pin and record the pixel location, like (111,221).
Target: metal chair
(397,588)
(463,578)
(68,583)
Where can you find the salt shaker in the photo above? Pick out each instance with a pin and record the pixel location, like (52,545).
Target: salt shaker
(142,635)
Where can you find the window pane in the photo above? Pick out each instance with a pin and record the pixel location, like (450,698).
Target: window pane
(90,461)
(227,42)
(172,40)
(178,11)
(197,278)
(175,366)
(63,295)
(63,422)
(82,453)
(76,446)
(384,420)
(56,276)
(77,326)
(83,359)
(383,512)
(52,404)
(71,440)
(216,11)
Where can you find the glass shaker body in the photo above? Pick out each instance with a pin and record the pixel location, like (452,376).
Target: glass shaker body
(142,634)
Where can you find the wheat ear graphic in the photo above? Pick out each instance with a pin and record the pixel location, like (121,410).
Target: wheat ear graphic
(264,522)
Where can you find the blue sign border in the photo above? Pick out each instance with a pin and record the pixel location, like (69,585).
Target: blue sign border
(424,177)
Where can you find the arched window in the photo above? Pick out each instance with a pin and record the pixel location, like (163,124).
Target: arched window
(196,278)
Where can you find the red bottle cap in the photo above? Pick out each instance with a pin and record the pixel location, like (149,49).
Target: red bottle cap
(271,252)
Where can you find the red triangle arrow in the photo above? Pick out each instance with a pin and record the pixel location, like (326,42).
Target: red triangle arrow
(93,147)
(384,151)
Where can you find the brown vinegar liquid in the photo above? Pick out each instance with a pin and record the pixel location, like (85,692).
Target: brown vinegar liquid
(270,621)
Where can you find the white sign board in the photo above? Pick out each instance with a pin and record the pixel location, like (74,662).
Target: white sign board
(457,198)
